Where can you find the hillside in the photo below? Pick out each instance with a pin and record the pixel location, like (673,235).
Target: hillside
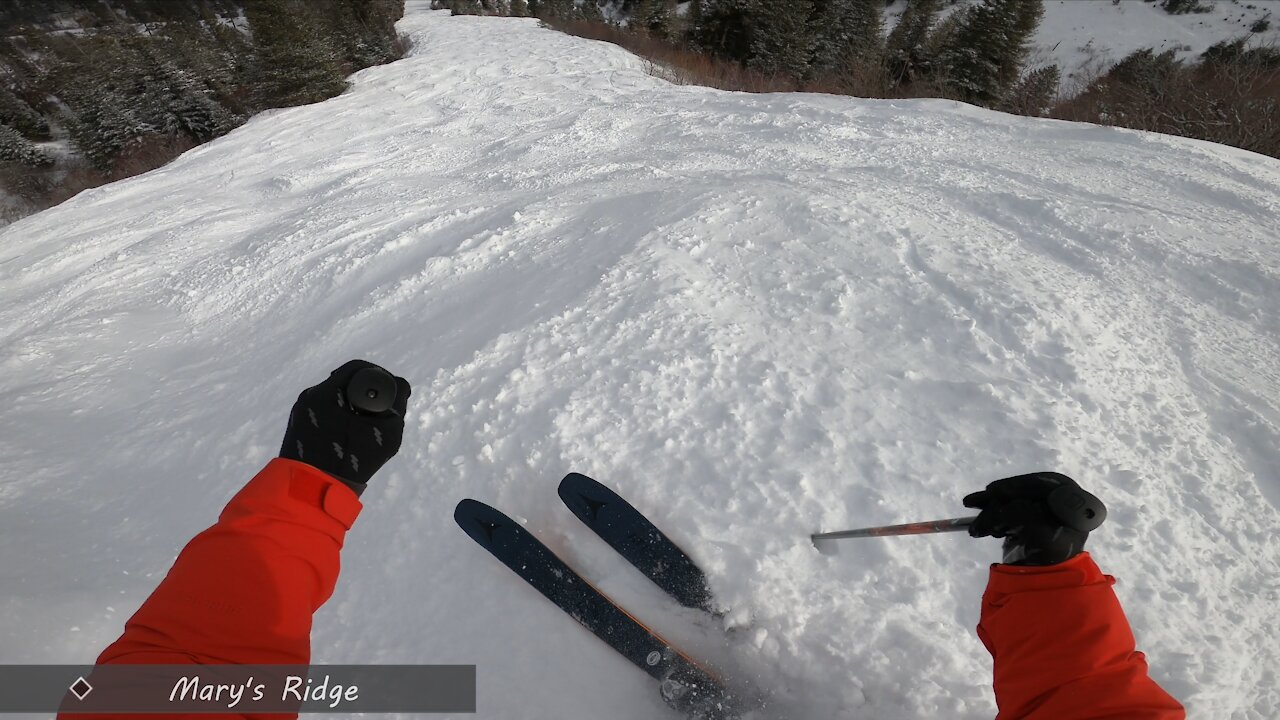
(1083,36)
(756,315)
(93,91)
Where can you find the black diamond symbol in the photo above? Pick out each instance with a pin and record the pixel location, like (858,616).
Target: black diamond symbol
(81,688)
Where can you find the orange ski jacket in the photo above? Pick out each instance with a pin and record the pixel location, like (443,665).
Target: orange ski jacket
(1063,649)
(244,590)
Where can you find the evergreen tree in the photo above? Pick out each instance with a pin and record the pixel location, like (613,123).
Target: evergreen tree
(1182,7)
(1145,71)
(567,10)
(103,126)
(16,148)
(1034,93)
(844,34)
(983,58)
(656,17)
(907,55)
(295,60)
(779,40)
(173,100)
(18,115)
(723,28)
(552,8)
(590,10)
(366,29)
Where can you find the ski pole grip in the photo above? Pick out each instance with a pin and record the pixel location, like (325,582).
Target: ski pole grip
(372,390)
(1076,508)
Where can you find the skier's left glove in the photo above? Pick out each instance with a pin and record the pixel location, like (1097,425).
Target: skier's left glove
(327,433)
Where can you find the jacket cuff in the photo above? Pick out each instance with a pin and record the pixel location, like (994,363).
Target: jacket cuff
(284,485)
(1079,571)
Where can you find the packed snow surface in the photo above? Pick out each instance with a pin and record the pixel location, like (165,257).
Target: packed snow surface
(756,316)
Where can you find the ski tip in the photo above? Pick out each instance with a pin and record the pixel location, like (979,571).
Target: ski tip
(467,509)
(479,521)
(577,482)
(579,492)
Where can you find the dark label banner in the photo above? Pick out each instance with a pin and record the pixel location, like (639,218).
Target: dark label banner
(238,689)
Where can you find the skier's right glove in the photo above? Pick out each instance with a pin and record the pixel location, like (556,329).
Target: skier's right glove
(1044,517)
(328,433)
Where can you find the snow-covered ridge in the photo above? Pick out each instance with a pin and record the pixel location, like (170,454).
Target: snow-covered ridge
(755,315)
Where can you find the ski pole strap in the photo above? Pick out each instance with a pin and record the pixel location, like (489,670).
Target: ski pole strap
(917,528)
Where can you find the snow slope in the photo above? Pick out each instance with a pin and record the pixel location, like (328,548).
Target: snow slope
(1084,37)
(756,316)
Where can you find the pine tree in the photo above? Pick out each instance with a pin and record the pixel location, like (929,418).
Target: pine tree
(1146,72)
(17,114)
(16,148)
(171,99)
(103,126)
(844,34)
(656,17)
(779,40)
(984,56)
(723,28)
(295,60)
(907,55)
(1034,93)
(553,8)
(366,29)
(590,10)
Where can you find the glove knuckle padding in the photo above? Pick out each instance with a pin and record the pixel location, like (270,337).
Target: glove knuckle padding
(326,432)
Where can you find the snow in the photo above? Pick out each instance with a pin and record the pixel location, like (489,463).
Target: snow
(756,316)
(1085,37)
(1080,35)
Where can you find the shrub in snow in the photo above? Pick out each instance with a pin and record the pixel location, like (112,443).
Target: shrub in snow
(1181,7)
(1237,53)
(1230,97)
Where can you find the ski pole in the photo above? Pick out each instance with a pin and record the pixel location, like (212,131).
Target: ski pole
(1072,506)
(825,541)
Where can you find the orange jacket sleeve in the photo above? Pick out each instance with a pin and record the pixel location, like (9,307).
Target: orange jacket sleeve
(1063,649)
(244,590)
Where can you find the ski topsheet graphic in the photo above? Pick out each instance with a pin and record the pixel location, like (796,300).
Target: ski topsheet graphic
(686,685)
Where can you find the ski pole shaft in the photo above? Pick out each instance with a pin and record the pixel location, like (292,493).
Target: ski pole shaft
(917,528)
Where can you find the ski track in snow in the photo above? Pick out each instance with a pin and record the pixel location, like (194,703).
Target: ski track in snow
(756,316)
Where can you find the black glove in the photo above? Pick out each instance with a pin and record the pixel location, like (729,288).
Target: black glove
(1044,517)
(327,433)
